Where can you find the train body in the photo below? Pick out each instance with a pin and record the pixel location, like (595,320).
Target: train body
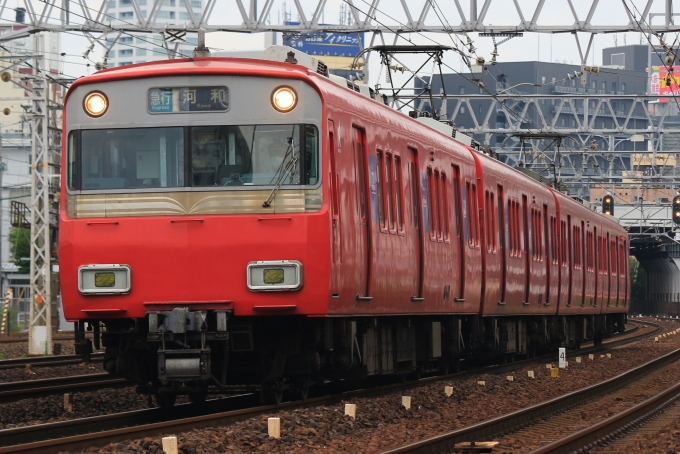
(221,238)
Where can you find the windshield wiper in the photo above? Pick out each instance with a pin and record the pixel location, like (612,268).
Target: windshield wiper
(288,167)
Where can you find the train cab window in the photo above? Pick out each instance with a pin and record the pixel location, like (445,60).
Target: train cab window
(71,161)
(131,158)
(201,156)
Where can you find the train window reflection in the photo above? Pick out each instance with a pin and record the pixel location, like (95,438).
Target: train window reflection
(253,155)
(222,156)
(132,158)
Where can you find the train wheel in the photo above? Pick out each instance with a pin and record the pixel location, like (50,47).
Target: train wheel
(165,400)
(304,392)
(198,398)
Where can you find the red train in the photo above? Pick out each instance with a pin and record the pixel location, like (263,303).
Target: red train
(233,220)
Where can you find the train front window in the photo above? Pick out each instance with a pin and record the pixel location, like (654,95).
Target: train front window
(198,156)
(253,155)
(132,158)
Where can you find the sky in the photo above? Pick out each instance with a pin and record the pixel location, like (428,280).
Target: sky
(532,46)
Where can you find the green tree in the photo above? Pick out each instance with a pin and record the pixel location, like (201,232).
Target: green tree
(638,288)
(20,248)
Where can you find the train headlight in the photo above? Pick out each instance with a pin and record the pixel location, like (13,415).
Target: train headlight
(95,104)
(276,275)
(284,99)
(103,279)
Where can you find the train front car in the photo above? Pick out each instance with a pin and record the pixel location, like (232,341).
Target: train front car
(193,219)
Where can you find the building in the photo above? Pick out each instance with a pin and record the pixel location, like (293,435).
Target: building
(132,48)
(627,76)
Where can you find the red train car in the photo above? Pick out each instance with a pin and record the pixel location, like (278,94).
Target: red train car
(254,221)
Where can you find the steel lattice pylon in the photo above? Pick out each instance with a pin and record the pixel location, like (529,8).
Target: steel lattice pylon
(43,158)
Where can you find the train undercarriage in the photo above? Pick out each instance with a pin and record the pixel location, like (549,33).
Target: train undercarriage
(184,352)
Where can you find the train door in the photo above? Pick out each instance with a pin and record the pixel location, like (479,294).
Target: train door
(415,232)
(361,215)
(335,208)
(502,226)
(526,220)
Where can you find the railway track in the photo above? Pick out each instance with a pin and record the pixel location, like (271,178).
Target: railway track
(48,361)
(13,391)
(101,430)
(13,339)
(597,437)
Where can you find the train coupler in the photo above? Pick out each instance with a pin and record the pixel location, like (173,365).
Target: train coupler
(183,365)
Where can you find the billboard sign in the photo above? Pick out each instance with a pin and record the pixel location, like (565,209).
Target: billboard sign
(659,82)
(334,44)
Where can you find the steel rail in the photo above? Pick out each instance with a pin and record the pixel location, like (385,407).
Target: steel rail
(490,428)
(16,339)
(614,426)
(100,430)
(46,361)
(12,391)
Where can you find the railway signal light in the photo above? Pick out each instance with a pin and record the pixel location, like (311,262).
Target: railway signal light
(676,209)
(608,205)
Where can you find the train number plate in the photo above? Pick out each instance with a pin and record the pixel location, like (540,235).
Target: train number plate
(188,99)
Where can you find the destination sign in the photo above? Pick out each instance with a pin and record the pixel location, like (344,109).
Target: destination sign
(188,99)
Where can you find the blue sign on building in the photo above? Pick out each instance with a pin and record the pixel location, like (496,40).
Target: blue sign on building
(325,43)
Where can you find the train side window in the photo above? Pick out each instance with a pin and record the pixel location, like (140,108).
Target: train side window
(415,197)
(589,251)
(439,205)
(613,262)
(444,212)
(456,199)
(432,209)
(509,229)
(492,215)
(398,188)
(622,260)
(469,220)
(576,247)
(563,242)
(475,215)
(389,195)
(379,189)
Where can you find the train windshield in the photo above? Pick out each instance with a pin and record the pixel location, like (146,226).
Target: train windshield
(198,156)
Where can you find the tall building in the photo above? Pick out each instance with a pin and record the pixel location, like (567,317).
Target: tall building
(143,47)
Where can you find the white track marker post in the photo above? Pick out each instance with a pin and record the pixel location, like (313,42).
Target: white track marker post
(274,427)
(170,445)
(351,410)
(510,378)
(481,383)
(591,356)
(406,402)
(68,403)
(448,390)
(531,374)
(562,355)
(548,366)
(578,359)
